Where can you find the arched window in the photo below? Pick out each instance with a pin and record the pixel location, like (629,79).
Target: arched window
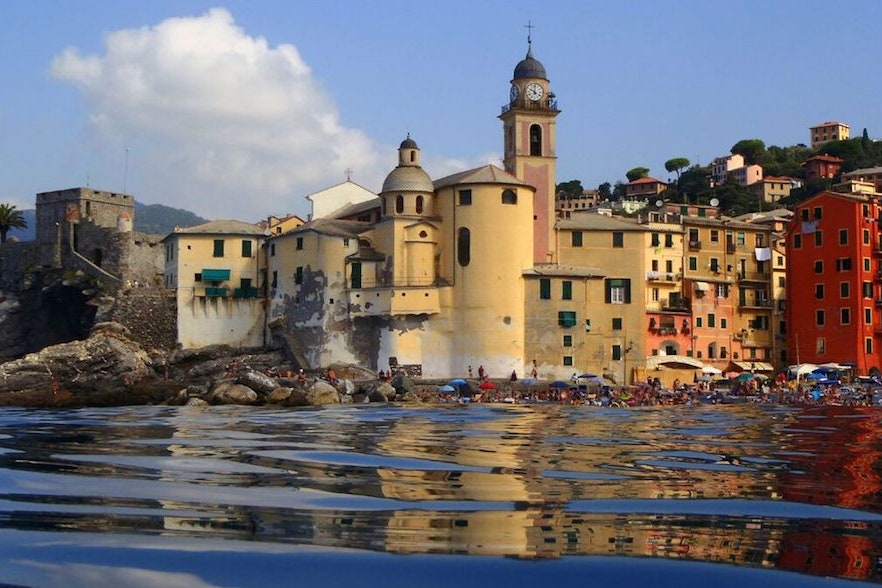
(419,205)
(509,197)
(463,247)
(383,213)
(535,140)
(412,156)
(712,351)
(399,204)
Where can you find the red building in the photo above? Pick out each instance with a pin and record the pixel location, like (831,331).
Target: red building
(821,166)
(834,262)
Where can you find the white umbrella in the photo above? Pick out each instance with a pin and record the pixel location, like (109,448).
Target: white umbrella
(709,369)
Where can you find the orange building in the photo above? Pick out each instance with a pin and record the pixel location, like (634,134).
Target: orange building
(834,258)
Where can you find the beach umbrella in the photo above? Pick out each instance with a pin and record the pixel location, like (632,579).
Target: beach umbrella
(457,382)
(746,376)
(815,376)
(487,385)
(559,384)
(588,376)
(446,388)
(711,370)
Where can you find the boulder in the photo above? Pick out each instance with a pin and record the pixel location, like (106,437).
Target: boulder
(297,397)
(279,395)
(388,391)
(377,396)
(196,402)
(402,384)
(229,393)
(260,383)
(322,393)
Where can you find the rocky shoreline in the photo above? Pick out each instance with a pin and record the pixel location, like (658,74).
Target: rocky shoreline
(108,368)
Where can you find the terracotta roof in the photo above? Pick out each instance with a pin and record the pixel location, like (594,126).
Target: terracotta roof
(863,172)
(828,158)
(646,180)
(487,174)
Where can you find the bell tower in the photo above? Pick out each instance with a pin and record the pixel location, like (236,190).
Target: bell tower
(529,146)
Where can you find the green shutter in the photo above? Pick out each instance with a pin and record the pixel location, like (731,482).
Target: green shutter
(246,247)
(215,275)
(545,289)
(567,290)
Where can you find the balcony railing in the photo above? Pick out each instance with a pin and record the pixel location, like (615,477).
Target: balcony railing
(215,292)
(245,293)
(654,276)
(676,305)
(756,303)
(753,276)
(694,245)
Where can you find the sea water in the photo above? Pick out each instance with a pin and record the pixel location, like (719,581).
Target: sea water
(477,495)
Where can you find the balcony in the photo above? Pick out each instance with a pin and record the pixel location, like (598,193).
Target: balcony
(214,292)
(653,276)
(730,247)
(682,305)
(759,303)
(694,245)
(877,249)
(754,277)
(245,293)
(878,301)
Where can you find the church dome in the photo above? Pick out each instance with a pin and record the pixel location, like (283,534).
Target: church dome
(407,178)
(529,67)
(408,143)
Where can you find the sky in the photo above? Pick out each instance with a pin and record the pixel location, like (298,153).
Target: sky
(240,109)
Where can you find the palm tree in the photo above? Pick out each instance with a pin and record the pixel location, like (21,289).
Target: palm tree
(10,218)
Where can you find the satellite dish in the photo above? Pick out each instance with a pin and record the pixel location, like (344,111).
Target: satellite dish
(659,203)
(715,202)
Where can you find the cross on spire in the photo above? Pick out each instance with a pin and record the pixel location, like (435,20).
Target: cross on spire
(348,173)
(529,26)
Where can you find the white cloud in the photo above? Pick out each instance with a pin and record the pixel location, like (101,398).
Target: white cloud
(218,122)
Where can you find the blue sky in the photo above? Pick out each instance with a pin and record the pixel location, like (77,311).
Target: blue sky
(240,109)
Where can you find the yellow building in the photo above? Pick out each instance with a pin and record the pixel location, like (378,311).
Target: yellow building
(218,272)
(828,131)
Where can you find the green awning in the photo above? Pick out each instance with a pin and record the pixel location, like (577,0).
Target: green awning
(215,275)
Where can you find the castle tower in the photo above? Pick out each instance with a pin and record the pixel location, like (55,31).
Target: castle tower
(529,146)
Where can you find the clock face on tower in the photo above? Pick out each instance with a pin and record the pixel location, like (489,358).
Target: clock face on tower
(534,92)
(514,93)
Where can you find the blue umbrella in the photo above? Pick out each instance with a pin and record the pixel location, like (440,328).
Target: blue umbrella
(559,384)
(446,388)
(457,382)
(588,376)
(815,376)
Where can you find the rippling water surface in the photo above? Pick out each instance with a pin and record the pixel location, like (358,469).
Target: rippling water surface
(451,495)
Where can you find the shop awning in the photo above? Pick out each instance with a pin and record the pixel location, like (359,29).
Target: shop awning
(752,366)
(215,275)
(702,287)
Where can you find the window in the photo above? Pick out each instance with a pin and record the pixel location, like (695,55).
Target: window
(820,346)
(399,204)
(616,352)
(711,320)
(819,318)
(298,275)
(804,214)
(669,240)
(566,318)
(819,291)
(844,289)
(566,290)
(618,291)
(535,140)
(655,295)
(509,197)
(465,197)
(866,264)
(760,240)
(866,237)
(867,289)
(698,322)
(819,239)
(544,288)
(656,240)
(817,213)
(843,264)
(845,316)
(797,241)
(782,281)
(715,265)
(246,247)
(693,263)
(197,277)
(722,290)
(868,344)
(419,204)
(218,248)
(568,360)
(618,239)
(819,267)
(576,238)
(740,238)
(299,244)
(843,236)
(272,249)
(464,247)
(723,323)
(617,324)
(715,236)
(567,340)
(275,282)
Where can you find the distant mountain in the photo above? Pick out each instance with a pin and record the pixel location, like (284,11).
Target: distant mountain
(161,220)
(149,218)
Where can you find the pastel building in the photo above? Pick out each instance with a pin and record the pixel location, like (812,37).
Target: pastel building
(218,272)
(828,131)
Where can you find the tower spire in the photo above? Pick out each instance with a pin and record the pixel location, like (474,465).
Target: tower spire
(529,26)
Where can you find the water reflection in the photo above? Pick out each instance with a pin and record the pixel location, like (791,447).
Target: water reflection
(788,489)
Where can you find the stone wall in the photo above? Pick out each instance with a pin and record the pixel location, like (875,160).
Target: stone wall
(15,259)
(150,314)
(146,260)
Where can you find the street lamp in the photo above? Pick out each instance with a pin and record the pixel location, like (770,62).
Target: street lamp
(628,349)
